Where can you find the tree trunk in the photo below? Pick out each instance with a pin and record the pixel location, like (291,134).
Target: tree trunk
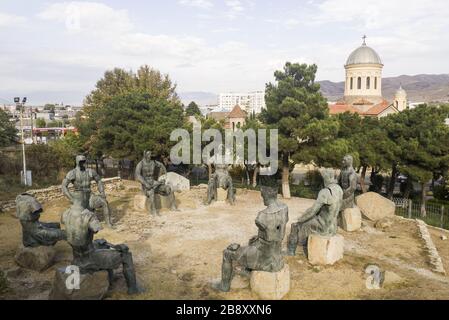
(285,176)
(209,168)
(423,200)
(255,173)
(394,173)
(362,179)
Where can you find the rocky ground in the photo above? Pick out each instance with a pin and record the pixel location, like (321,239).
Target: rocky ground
(178,254)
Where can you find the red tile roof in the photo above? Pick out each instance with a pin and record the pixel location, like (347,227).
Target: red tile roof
(237,112)
(378,108)
(363,102)
(342,108)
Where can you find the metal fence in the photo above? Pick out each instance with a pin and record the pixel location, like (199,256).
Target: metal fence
(435,215)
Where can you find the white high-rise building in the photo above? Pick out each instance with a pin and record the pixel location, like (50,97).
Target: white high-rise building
(249,101)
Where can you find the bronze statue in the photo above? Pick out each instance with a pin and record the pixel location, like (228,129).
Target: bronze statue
(264,251)
(147,173)
(91,256)
(81,178)
(348,182)
(34,232)
(321,218)
(220,179)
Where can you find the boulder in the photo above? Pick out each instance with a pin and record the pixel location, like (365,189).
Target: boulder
(271,285)
(38,259)
(351,219)
(384,224)
(375,207)
(140,201)
(91,286)
(222,194)
(391,278)
(176,181)
(324,250)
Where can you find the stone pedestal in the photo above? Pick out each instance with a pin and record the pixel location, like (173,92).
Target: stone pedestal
(91,286)
(239,282)
(140,201)
(325,250)
(222,194)
(162,202)
(351,219)
(38,259)
(271,285)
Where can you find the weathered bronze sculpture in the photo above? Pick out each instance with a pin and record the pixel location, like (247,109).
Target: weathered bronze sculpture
(322,217)
(147,173)
(34,232)
(81,178)
(91,256)
(348,182)
(220,179)
(263,252)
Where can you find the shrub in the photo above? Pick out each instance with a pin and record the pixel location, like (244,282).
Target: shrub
(441,192)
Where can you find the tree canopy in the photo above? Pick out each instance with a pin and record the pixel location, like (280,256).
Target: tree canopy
(8,132)
(296,107)
(193,109)
(130,112)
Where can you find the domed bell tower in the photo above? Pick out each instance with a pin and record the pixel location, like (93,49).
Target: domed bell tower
(363,76)
(400,99)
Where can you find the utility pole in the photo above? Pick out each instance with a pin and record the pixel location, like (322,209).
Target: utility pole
(20,106)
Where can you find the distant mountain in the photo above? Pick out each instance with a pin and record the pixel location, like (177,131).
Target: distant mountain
(200,98)
(420,88)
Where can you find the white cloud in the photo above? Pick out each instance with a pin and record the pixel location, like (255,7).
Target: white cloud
(236,8)
(88,17)
(203,4)
(9,20)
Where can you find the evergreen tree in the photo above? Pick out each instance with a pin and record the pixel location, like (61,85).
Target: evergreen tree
(423,138)
(296,107)
(8,132)
(193,109)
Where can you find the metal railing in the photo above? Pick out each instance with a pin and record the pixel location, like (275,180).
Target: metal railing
(435,215)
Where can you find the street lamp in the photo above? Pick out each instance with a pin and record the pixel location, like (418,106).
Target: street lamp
(19,106)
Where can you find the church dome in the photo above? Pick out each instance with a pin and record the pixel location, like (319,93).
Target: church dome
(401,92)
(363,55)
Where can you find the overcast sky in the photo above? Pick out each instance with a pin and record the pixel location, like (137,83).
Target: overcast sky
(55,51)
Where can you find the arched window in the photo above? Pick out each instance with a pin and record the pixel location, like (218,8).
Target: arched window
(352,83)
(359,83)
(368,83)
(375,83)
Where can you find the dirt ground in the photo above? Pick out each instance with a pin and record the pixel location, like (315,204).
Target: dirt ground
(178,254)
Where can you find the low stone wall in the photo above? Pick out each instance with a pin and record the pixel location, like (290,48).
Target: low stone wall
(434,257)
(55,192)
